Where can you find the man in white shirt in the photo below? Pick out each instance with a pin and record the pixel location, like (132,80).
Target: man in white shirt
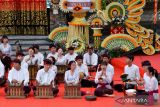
(71,55)
(53,51)
(18,76)
(46,76)
(2,71)
(83,72)
(20,56)
(38,54)
(90,59)
(133,72)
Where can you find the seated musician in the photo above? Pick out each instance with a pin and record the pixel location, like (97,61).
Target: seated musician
(46,76)
(38,54)
(151,86)
(145,65)
(103,79)
(90,59)
(31,59)
(20,56)
(71,55)
(145,82)
(6,49)
(132,71)
(83,71)
(61,58)
(2,71)
(17,75)
(110,68)
(53,51)
(72,75)
(53,66)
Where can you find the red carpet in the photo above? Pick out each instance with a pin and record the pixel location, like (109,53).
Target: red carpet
(60,102)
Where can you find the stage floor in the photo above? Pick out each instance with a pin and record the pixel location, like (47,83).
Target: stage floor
(100,102)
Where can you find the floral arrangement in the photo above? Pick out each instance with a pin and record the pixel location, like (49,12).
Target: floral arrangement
(118,20)
(76,43)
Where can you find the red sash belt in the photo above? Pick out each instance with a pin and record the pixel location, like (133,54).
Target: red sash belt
(151,92)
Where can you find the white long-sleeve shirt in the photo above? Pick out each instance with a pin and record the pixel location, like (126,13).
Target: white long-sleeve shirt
(152,86)
(146,79)
(2,69)
(132,71)
(61,61)
(20,75)
(45,78)
(106,79)
(54,68)
(54,55)
(69,57)
(24,65)
(90,59)
(40,57)
(74,79)
(110,69)
(6,50)
(32,61)
(83,68)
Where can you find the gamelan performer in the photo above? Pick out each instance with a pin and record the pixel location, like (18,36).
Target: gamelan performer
(103,79)
(17,75)
(46,76)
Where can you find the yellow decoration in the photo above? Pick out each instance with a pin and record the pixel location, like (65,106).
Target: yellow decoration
(97,32)
(63,5)
(108,14)
(79,34)
(149,50)
(57,30)
(124,36)
(98,4)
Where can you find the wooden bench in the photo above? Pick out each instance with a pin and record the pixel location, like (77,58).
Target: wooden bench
(44,91)
(72,91)
(33,69)
(15,91)
(60,72)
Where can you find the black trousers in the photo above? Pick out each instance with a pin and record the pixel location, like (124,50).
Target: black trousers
(7,62)
(26,89)
(102,90)
(88,83)
(2,81)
